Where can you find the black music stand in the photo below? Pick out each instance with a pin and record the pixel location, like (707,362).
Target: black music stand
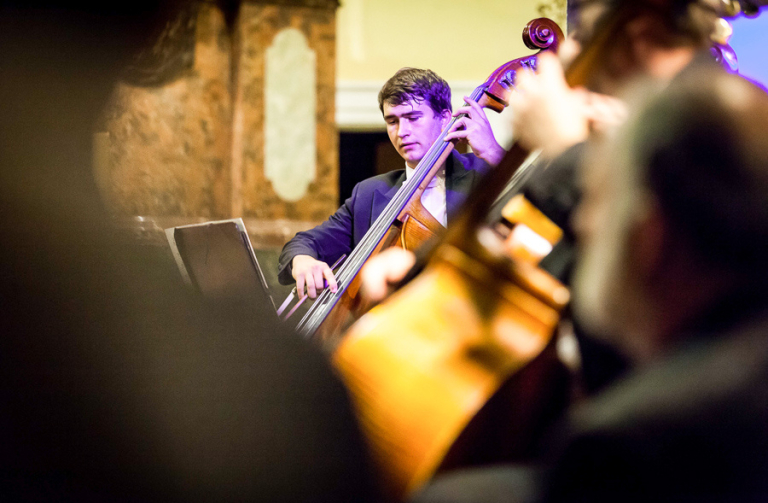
(218,260)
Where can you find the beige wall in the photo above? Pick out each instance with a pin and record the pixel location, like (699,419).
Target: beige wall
(458,39)
(462,40)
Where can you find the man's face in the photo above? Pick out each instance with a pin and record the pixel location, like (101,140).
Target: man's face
(412,128)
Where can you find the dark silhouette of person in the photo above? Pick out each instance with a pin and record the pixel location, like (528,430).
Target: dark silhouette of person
(117,383)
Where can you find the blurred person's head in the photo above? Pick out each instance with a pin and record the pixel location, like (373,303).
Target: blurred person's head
(675,211)
(60,61)
(117,383)
(655,38)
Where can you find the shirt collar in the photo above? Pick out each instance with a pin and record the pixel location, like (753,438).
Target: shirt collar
(438,179)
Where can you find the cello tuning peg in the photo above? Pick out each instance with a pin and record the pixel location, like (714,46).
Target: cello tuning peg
(508,81)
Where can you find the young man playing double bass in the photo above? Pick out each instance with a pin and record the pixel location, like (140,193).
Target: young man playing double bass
(416,106)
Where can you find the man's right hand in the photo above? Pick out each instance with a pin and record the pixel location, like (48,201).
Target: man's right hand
(312,273)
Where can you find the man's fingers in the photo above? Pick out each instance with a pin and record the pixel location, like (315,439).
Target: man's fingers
(514,99)
(457,130)
(300,286)
(549,65)
(389,266)
(525,81)
(470,108)
(460,134)
(606,110)
(311,289)
(401,262)
(315,282)
(459,123)
(330,278)
(462,110)
(476,108)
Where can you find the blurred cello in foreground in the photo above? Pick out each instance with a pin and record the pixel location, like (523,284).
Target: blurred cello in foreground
(427,363)
(424,366)
(404,222)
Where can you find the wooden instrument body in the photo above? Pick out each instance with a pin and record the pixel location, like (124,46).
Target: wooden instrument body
(414,226)
(421,366)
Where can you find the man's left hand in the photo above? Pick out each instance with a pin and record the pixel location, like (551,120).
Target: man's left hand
(475,129)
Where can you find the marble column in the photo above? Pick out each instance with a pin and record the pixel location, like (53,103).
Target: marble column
(229,114)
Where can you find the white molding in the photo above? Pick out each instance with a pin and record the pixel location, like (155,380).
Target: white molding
(357,106)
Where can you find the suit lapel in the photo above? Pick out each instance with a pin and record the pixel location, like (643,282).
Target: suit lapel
(382,197)
(458,183)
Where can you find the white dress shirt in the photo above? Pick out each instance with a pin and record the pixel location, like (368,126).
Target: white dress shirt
(433,197)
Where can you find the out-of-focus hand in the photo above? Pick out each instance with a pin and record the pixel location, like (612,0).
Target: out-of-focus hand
(549,115)
(383,269)
(475,129)
(312,273)
(604,112)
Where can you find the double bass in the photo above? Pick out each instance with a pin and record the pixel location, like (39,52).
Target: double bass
(404,221)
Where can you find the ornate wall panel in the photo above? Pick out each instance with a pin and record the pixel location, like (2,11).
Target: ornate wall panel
(254,195)
(184,137)
(289,116)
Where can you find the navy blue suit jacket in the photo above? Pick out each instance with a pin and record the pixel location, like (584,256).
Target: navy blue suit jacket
(344,229)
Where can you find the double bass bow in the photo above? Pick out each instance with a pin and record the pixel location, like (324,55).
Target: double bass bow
(404,221)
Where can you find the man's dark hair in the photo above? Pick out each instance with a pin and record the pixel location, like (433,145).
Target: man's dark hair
(703,153)
(417,85)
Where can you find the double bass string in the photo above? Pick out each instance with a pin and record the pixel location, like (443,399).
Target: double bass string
(327,299)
